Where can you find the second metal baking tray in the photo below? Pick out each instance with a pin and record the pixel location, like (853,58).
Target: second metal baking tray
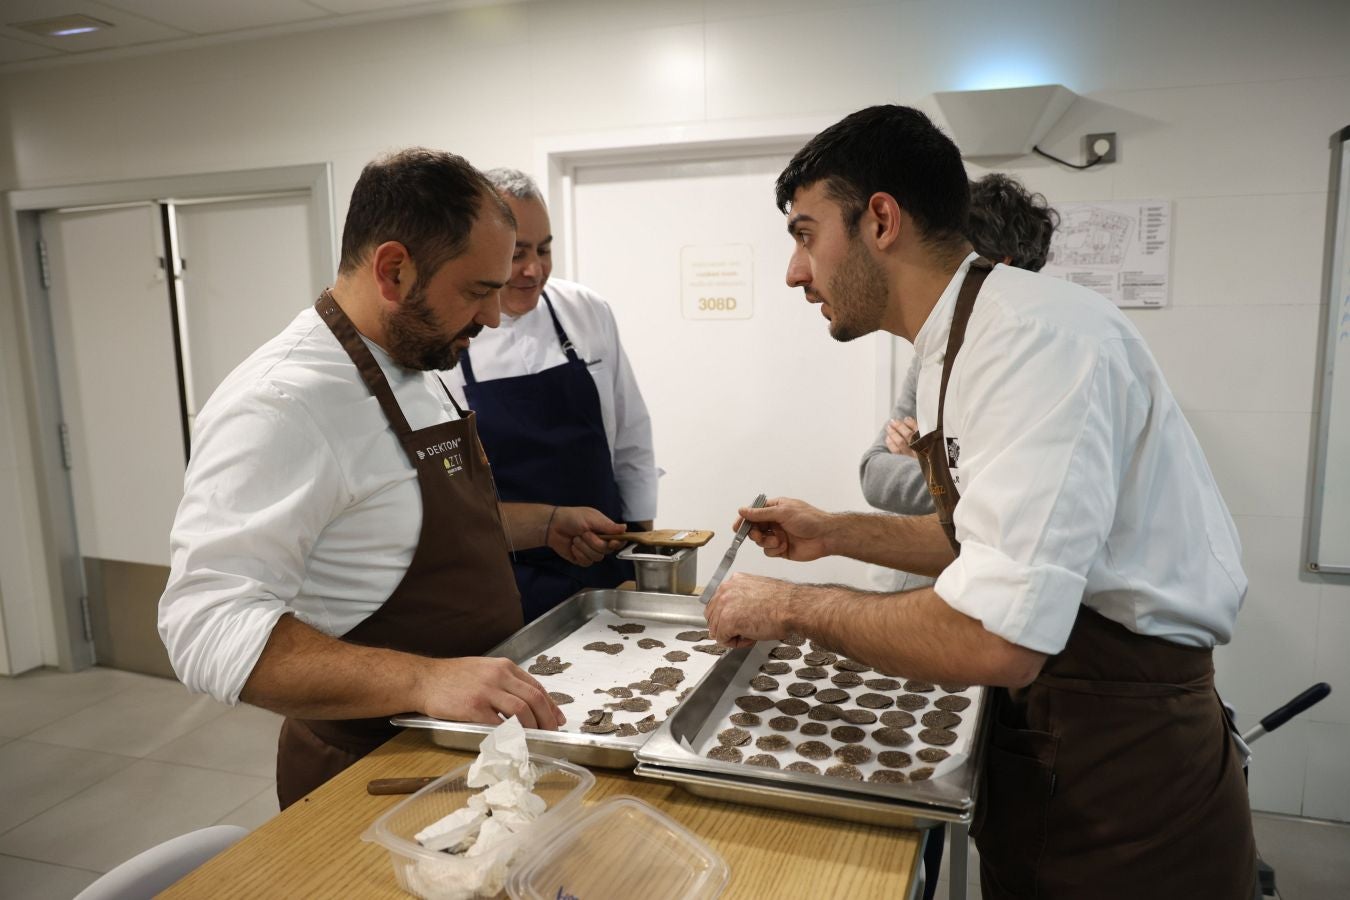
(667,755)
(602,751)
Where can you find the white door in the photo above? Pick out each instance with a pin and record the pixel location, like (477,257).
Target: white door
(767,403)
(246,274)
(113,330)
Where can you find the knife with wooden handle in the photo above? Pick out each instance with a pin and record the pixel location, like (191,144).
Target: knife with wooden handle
(725,565)
(399,785)
(668,537)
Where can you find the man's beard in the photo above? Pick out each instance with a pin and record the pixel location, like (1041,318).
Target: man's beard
(858,295)
(415,338)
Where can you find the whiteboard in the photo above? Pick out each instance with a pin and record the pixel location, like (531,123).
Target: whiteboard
(1329,536)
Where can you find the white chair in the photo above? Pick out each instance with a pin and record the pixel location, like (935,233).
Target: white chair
(147,873)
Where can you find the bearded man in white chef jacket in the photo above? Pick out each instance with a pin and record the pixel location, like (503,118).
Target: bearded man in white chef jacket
(1086,564)
(340,555)
(559,409)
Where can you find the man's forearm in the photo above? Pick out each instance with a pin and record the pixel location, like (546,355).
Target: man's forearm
(307,674)
(915,633)
(909,543)
(526,524)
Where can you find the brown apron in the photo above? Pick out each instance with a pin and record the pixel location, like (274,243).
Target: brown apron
(458,596)
(1113,775)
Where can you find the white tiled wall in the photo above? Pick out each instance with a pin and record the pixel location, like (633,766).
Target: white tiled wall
(1225,107)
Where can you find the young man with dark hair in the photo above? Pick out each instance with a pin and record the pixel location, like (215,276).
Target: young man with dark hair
(1086,564)
(338,555)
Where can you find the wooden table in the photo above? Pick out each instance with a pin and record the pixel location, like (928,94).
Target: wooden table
(314,849)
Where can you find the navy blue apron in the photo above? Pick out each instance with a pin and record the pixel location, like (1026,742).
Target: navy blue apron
(545,438)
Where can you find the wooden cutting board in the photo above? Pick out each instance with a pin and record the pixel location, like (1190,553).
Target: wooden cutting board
(669,537)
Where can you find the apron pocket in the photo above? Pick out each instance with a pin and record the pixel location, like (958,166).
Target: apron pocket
(1009,826)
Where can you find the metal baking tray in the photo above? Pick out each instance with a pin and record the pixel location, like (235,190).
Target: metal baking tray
(597,750)
(667,756)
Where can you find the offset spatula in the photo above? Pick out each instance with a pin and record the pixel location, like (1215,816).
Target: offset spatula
(725,565)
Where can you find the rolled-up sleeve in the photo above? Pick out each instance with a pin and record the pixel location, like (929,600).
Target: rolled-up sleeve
(894,482)
(1038,419)
(261,487)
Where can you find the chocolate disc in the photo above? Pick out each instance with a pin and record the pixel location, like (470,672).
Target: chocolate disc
(814,673)
(856,754)
(773,742)
(832,695)
(714,649)
(745,719)
(785,651)
(763,759)
(918,687)
(795,640)
(783,723)
(725,754)
(921,774)
(650,643)
(733,737)
(940,718)
(953,704)
(882,684)
(675,656)
(848,734)
(560,698)
(858,716)
(898,718)
(825,712)
(911,702)
(603,728)
(813,749)
(633,704)
(847,679)
(894,759)
(645,726)
(954,688)
(932,754)
(547,665)
(622,693)
(626,730)
(774,667)
(800,766)
(819,658)
(874,701)
(667,675)
(755,703)
(892,737)
(815,729)
(764,683)
(792,706)
(844,770)
(801,689)
(692,636)
(886,776)
(628,628)
(851,665)
(939,737)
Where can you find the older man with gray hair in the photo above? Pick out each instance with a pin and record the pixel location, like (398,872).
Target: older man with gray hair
(559,410)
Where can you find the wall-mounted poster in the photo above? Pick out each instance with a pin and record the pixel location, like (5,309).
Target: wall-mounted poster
(1122,249)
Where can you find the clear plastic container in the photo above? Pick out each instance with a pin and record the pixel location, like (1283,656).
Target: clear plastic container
(433,875)
(620,849)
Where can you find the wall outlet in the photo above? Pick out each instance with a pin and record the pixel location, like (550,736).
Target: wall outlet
(1101,145)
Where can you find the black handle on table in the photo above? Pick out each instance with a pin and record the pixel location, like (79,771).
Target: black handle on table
(1311,697)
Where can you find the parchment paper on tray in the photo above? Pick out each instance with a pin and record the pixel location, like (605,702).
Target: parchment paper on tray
(823,713)
(621,677)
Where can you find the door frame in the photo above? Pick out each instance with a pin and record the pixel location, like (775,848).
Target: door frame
(558,158)
(47,507)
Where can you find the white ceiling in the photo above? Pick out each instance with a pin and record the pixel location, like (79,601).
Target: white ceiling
(165,24)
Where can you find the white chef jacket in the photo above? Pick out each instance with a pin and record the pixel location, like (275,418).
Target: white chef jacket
(1080,479)
(298,498)
(525,345)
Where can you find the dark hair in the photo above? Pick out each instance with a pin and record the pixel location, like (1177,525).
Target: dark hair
(1006,220)
(427,200)
(888,149)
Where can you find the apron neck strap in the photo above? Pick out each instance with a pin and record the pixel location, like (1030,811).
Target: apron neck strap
(956,336)
(360,354)
(563,339)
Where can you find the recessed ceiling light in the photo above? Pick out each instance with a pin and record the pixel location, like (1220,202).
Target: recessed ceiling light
(62,26)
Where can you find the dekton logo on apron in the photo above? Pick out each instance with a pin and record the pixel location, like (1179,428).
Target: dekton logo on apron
(442,447)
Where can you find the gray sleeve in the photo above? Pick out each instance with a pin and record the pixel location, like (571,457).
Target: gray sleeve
(891,481)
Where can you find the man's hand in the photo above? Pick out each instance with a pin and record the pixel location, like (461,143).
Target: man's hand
(788,528)
(749,608)
(899,432)
(484,689)
(578,534)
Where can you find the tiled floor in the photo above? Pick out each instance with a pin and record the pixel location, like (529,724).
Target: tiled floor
(99,765)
